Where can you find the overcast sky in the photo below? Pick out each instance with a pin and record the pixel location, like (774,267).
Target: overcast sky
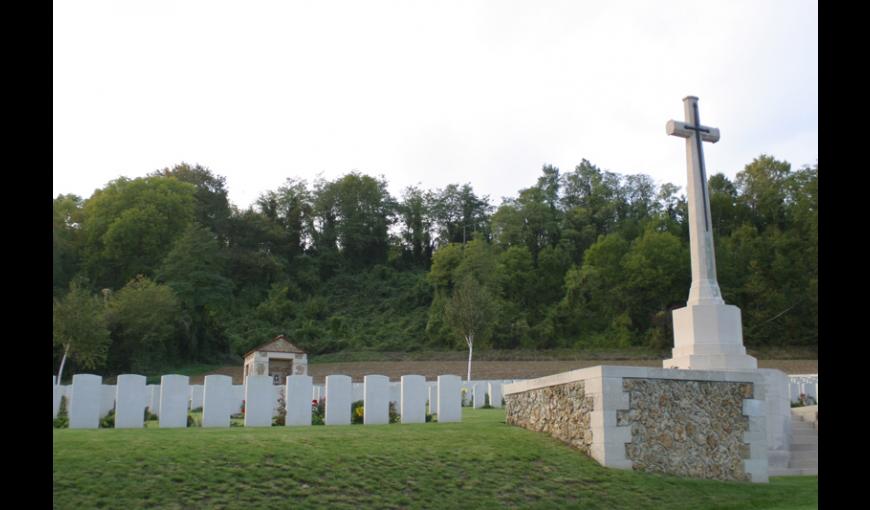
(425,93)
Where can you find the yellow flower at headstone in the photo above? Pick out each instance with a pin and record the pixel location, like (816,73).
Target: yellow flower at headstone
(359,411)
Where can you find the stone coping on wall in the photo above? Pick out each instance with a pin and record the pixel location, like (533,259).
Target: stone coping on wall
(634,372)
(605,385)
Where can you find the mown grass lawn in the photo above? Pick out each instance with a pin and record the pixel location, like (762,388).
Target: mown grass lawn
(479,463)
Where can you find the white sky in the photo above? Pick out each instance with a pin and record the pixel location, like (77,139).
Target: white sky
(427,93)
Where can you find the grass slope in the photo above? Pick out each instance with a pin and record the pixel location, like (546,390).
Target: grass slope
(479,463)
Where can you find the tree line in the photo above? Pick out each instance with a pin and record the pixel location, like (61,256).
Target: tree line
(163,269)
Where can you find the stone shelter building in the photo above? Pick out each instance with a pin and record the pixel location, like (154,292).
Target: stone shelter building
(277,358)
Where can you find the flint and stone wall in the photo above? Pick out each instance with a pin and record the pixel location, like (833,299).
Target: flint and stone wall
(700,424)
(561,411)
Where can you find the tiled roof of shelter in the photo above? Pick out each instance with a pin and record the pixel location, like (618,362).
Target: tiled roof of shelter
(278,344)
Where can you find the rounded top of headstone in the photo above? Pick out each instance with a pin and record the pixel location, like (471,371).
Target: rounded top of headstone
(689,98)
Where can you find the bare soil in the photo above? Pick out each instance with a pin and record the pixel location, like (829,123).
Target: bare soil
(482,370)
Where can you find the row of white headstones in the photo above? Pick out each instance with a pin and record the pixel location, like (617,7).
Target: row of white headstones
(803,384)
(88,400)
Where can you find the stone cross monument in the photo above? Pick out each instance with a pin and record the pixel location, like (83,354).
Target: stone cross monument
(708,334)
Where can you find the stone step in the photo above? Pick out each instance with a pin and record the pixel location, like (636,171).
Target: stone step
(804,447)
(814,471)
(804,439)
(804,454)
(803,465)
(805,410)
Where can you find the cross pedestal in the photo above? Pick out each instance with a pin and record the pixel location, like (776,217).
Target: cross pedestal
(709,337)
(708,334)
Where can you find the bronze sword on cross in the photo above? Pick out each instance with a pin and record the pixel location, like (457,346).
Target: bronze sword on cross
(693,128)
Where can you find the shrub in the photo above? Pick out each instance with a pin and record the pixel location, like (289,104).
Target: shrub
(109,421)
(193,421)
(394,415)
(357,411)
(282,410)
(149,416)
(62,420)
(317,411)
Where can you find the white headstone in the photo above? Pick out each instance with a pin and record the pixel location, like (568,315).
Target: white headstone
(259,396)
(466,394)
(433,399)
(237,398)
(107,399)
(316,392)
(174,399)
(217,401)
(153,399)
(55,402)
(479,394)
(358,392)
(413,408)
(297,391)
(396,393)
(708,334)
(277,396)
(131,398)
(376,406)
(338,393)
(449,398)
(810,389)
(84,402)
(495,394)
(195,396)
(794,391)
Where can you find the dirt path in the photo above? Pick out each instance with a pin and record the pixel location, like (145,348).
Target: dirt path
(484,369)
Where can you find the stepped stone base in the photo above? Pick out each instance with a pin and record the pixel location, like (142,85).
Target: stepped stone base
(804,449)
(709,337)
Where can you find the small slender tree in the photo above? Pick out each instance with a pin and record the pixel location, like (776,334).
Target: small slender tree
(470,313)
(79,326)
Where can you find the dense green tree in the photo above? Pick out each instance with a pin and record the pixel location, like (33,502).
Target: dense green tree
(145,319)
(594,296)
(581,259)
(352,217)
(763,189)
(129,226)
(460,215)
(80,329)
(212,205)
(255,255)
(66,240)
(415,216)
(639,204)
(656,280)
(194,269)
(531,220)
(596,191)
(290,207)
